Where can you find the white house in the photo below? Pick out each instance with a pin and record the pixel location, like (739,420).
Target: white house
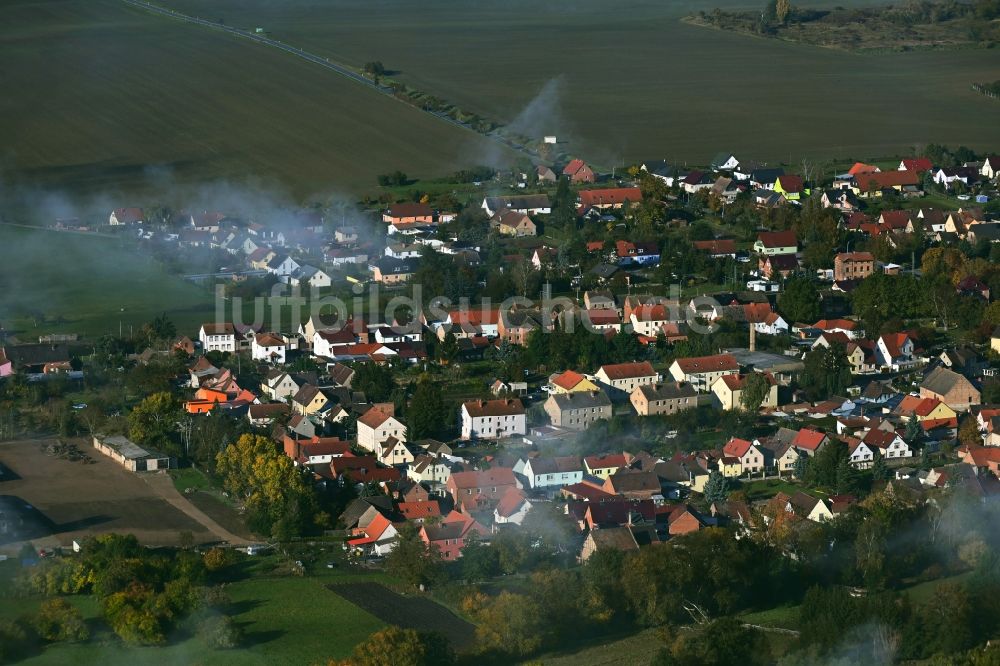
(217,337)
(376,426)
(282,266)
(702,371)
(550,472)
(493,419)
(895,351)
(889,444)
(121,216)
(428,469)
(861,456)
(310,276)
(627,376)
(512,508)
(269,347)
(773,324)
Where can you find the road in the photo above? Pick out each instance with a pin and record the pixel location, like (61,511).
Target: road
(324,62)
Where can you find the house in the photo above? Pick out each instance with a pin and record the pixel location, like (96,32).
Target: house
(393,452)
(888,443)
(449,536)
(790,186)
(478,489)
(696,181)
(529,204)
(613,198)
(578,410)
(310,276)
(428,469)
(544,256)
(600,320)
(314,450)
(717,249)
(545,174)
(377,425)
(809,441)
(377,538)
(995,340)
(390,271)
(895,351)
(604,466)
(650,319)
(774,265)
(951,388)
(262,415)
(578,172)
(803,506)
(751,456)
(268,347)
(569,382)
(702,371)
(513,223)
(874,184)
(123,216)
(760,178)
(776,242)
(860,455)
(217,337)
(309,400)
(724,162)
(853,265)
(667,398)
(843,200)
(849,328)
(637,254)
(512,508)
(627,376)
(782,456)
(551,472)
(282,265)
(634,485)
(915,164)
(493,419)
(608,539)
(408,213)
(130,455)
(728,390)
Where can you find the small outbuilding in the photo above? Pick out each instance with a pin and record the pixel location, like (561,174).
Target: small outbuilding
(131,456)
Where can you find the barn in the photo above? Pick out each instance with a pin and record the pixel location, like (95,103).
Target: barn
(131,456)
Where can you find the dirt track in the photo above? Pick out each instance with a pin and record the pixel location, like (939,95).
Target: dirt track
(79,500)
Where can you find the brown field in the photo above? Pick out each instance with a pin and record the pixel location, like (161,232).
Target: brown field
(79,500)
(408,612)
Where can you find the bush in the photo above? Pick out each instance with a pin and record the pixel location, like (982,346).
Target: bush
(58,620)
(221,633)
(15,642)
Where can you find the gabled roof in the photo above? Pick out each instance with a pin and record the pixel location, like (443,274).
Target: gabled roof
(615,196)
(715,363)
(502,407)
(567,380)
(606,461)
(613,538)
(510,503)
(736,447)
(410,210)
(790,183)
(808,439)
(778,239)
(941,380)
(917,164)
(667,391)
(219,329)
(581,400)
(628,370)
(489,478)
(375,417)
(877,181)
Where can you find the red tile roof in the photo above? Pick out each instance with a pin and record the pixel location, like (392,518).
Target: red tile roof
(628,370)
(778,238)
(614,196)
(918,164)
(568,379)
(736,447)
(716,363)
(808,439)
(503,407)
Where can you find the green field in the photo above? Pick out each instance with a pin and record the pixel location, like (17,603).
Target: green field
(103,98)
(285,620)
(631,82)
(71,283)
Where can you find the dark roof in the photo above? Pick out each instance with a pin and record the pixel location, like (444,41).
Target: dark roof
(36,354)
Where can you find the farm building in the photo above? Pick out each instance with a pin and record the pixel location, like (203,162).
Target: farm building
(131,456)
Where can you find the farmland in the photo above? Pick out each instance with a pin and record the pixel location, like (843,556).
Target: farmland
(629,81)
(87,285)
(111,99)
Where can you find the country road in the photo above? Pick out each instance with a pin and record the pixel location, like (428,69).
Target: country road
(328,64)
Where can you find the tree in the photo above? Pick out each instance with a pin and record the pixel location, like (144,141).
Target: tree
(782,9)
(277,497)
(846,477)
(800,300)
(152,423)
(801,466)
(374,380)
(221,632)
(374,68)
(511,624)
(58,620)
(426,415)
(968,433)
(879,470)
(722,641)
(756,386)
(827,371)
(716,488)
(393,646)
(413,560)
(448,350)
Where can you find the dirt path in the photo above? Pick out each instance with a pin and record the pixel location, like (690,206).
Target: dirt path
(163,486)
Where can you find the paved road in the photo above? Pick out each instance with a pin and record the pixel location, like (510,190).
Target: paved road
(322,62)
(163,486)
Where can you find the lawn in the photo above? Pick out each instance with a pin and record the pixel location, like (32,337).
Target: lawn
(627,81)
(90,285)
(765,488)
(785,617)
(285,619)
(103,98)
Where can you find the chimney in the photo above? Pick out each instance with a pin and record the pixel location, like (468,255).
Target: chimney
(753,338)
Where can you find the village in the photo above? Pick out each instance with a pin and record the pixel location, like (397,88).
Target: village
(636,358)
